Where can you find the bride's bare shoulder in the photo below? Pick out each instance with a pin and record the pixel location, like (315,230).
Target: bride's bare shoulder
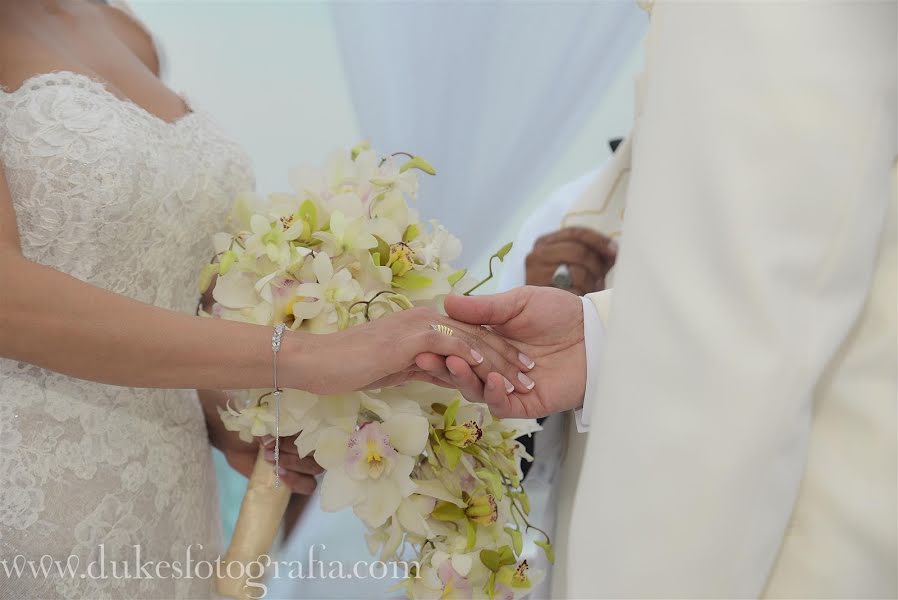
(22,57)
(132,32)
(34,42)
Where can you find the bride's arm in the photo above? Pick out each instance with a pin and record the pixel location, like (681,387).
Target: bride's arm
(58,322)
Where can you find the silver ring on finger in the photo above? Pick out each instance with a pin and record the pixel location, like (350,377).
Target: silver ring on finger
(562,278)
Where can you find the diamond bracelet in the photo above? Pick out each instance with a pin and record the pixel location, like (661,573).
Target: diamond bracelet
(275,348)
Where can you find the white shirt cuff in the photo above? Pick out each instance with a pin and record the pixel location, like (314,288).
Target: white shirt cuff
(594,338)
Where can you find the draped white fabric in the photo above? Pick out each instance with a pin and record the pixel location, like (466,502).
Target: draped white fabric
(490,93)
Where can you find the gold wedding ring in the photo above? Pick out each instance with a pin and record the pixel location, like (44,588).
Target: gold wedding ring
(444,329)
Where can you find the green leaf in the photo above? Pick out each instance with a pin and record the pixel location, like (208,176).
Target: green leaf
(411,232)
(456,277)
(452,454)
(524,500)
(400,301)
(517,540)
(506,556)
(472,536)
(308,212)
(381,252)
(547,548)
(504,250)
(490,559)
(446,511)
(492,481)
(449,415)
(342,317)
(412,281)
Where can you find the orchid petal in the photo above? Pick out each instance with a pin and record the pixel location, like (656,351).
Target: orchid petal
(339,491)
(408,433)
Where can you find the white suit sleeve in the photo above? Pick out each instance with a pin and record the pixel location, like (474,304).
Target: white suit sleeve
(756,203)
(594,337)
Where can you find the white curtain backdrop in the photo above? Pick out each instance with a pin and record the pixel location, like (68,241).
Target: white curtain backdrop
(490,93)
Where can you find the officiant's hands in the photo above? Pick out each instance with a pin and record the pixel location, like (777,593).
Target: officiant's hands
(544,323)
(588,254)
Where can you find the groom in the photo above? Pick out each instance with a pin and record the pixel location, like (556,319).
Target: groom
(741,391)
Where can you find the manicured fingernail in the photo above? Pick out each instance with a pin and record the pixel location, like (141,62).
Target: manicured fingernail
(508,386)
(269,455)
(478,358)
(612,245)
(526,360)
(267,440)
(451,370)
(490,385)
(528,383)
(282,471)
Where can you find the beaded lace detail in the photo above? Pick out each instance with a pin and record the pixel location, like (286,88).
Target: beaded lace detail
(111,194)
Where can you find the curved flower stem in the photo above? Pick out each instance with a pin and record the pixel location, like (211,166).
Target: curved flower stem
(529,525)
(487,278)
(367,303)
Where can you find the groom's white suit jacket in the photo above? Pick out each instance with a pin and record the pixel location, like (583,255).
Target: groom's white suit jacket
(742,415)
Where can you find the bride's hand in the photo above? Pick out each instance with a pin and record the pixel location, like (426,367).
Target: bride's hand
(382,353)
(297,473)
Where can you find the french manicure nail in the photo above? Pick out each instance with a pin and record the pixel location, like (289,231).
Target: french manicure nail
(269,455)
(528,383)
(451,370)
(508,386)
(282,471)
(526,360)
(478,358)
(490,385)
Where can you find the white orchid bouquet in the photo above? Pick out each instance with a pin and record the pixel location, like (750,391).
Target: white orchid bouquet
(433,477)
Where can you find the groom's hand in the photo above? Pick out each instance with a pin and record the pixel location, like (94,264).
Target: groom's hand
(545,324)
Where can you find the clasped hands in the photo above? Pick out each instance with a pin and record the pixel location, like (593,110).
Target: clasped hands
(521,352)
(544,325)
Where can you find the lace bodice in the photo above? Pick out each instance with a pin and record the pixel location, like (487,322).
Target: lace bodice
(107,192)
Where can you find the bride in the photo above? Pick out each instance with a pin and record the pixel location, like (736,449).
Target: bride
(110,186)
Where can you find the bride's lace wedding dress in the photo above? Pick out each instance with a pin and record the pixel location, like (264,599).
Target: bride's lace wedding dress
(109,193)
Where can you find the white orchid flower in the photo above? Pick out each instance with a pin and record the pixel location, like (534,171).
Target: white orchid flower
(436,249)
(313,300)
(254,421)
(369,469)
(272,238)
(345,234)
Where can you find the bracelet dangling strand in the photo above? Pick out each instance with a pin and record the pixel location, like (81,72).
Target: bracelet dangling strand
(275,348)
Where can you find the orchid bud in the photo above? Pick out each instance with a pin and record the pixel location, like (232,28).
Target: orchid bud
(416,162)
(359,148)
(482,510)
(227,261)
